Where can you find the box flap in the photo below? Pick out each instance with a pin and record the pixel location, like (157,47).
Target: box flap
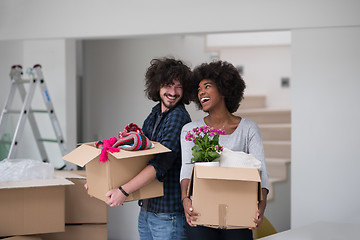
(23,238)
(57,181)
(158,148)
(82,155)
(227,173)
(87,152)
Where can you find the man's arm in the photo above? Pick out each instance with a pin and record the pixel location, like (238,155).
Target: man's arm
(146,176)
(172,126)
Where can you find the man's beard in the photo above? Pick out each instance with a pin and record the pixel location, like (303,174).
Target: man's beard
(171,105)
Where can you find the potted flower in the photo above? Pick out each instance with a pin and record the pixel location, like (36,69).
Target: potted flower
(206,140)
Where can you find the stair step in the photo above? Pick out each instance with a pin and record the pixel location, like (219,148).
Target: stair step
(277,149)
(275,127)
(276,132)
(265,116)
(277,168)
(253,101)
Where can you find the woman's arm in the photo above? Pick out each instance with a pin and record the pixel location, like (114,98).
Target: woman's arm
(186,170)
(187,203)
(261,211)
(256,148)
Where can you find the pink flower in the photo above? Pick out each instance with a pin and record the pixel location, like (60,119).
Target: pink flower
(218,148)
(221,131)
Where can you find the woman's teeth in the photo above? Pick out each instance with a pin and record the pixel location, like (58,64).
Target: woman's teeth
(204,100)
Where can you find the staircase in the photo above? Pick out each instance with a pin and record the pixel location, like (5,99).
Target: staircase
(275,127)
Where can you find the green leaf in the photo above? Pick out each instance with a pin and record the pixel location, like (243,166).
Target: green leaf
(214,155)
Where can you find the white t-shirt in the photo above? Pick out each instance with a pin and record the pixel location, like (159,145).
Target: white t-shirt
(245,138)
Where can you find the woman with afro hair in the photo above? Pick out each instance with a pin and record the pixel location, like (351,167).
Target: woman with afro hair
(218,91)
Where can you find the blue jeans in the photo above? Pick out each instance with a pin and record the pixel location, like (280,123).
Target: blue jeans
(161,226)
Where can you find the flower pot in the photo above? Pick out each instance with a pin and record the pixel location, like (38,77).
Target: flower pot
(208,164)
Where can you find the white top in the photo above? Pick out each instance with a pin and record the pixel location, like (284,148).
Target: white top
(245,138)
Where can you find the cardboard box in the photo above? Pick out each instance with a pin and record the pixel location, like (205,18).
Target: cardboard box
(225,197)
(122,167)
(79,206)
(79,232)
(34,206)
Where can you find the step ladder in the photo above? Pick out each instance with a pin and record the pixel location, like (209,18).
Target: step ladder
(26,112)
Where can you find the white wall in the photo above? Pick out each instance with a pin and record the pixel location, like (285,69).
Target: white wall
(325,125)
(114,96)
(22,19)
(263,69)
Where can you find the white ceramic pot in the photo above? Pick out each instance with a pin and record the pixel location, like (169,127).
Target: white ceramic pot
(208,164)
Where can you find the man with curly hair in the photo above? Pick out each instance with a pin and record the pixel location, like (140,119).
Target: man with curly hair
(168,81)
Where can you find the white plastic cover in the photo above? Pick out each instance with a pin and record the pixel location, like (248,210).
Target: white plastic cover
(24,169)
(238,159)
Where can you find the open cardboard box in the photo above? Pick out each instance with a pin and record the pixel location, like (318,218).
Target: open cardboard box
(32,206)
(121,167)
(225,197)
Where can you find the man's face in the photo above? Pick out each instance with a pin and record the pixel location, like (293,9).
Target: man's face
(170,95)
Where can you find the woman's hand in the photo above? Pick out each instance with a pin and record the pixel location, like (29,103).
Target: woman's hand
(260,212)
(258,219)
(189,211)
(117,198)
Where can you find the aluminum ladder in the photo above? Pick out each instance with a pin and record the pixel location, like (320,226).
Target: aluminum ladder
(26,112)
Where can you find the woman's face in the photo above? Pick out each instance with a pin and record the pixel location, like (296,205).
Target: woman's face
(209,95)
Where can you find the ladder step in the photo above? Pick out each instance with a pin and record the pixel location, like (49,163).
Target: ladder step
(48,140)
(12,111)
(22,81)
(19,111)
(39,111)
(5,142)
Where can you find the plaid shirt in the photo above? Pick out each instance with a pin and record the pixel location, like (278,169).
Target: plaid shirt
(167,165)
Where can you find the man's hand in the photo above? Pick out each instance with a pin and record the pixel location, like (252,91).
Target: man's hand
(87,188)
(117,198)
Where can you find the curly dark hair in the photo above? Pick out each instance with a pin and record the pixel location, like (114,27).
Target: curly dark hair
(162,72)
(227,79)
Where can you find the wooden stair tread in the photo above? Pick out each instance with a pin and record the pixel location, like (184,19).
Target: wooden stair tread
(264,110)
(277,142)
(278,160)
(274,125)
